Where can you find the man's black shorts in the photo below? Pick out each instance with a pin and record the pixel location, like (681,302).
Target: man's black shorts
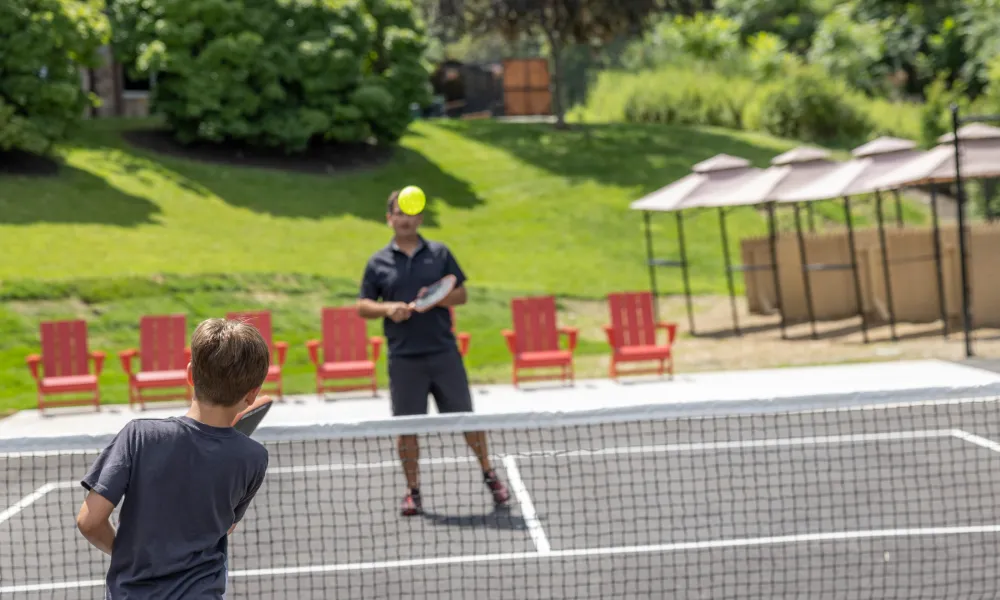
(412,378)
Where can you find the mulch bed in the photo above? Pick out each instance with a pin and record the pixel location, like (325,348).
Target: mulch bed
(327,159)
(18,162)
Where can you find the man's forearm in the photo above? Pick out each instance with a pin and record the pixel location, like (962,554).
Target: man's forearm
(101,537)
(370,309)
(457,297)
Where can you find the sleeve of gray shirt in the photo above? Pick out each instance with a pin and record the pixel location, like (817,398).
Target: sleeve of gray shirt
(110,474)
(258,479)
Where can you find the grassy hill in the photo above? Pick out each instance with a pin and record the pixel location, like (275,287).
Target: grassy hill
(123,232)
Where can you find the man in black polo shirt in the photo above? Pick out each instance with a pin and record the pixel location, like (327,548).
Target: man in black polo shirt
(423,354)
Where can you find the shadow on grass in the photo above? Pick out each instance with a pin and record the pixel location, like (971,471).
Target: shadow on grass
(74,196)
(650,156)
(325,183)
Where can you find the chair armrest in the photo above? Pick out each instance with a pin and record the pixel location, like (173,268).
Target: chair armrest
(571,333)
(33,360)
(464,339)
(126,357)
(98,358)
(376,343)
(511,338)
(313,346)
(609,331)
(671,331)
(282,350)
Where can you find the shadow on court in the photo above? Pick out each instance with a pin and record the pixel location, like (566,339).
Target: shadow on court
(500,519)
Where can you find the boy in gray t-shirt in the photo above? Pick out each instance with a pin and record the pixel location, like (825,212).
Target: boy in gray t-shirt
(186,481)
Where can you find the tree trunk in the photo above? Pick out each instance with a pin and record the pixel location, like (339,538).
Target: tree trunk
(555,49)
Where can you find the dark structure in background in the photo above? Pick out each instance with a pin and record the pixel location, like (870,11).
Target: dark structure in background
(467,89)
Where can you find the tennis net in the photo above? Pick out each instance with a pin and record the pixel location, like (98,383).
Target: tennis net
(837,497)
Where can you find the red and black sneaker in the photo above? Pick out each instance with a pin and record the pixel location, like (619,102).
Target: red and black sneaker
(499,490)
(412,504)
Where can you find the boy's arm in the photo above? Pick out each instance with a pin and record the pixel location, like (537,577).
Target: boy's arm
(241,508)
(94,522)
(106,483)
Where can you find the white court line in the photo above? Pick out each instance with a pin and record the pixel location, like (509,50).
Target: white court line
(527,506)
(977,440)
(34,497)
(577,553)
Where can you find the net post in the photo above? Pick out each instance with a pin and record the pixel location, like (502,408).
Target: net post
(962,247)
(937,261)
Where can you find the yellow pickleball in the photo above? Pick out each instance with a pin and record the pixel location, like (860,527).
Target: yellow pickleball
(412,200)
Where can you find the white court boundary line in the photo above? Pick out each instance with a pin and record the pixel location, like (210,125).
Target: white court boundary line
(835,536)
(544,550)
(527,506)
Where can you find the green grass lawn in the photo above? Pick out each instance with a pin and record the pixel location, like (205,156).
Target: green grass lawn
(526,209)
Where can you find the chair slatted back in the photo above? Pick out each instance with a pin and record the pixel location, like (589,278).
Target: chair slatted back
(535,323)
(64,348)
(162,340)
(632,319)
(345,335)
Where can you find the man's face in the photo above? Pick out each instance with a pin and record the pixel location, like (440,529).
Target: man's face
(402,223)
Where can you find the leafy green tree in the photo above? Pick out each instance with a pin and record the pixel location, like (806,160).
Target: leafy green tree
(279,73)
(43,46)
(849,49)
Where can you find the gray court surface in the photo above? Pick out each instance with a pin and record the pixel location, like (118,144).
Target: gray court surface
(894,502)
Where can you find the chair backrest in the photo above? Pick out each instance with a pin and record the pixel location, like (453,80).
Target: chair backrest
(632,318)
(64,348)
(535,323)
(162,340)
(345,335)
(261,319)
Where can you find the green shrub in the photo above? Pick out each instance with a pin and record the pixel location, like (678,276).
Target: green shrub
(669,95)
(809,106)
(280,73)
(43,46)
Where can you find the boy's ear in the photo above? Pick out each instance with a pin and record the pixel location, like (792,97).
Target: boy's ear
(252,396)
(190,375)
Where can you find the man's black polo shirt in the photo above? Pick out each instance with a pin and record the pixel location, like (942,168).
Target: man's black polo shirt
(392,276)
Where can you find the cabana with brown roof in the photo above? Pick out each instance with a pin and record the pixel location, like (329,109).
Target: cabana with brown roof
(972,151)
(855,177)
(708,178)
(788,172)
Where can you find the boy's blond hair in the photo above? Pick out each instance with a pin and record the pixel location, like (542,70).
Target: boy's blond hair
(228,360)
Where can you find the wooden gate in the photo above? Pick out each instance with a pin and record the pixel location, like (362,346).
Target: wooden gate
(526,87)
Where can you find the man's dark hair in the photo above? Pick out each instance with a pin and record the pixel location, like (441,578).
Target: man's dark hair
(228,360)
(390,205)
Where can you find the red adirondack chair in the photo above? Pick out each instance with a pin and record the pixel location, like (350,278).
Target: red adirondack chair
(345,352)
(261,319)
(65,361)
(163,356)
(632,334)
(534,341)
(464,339)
